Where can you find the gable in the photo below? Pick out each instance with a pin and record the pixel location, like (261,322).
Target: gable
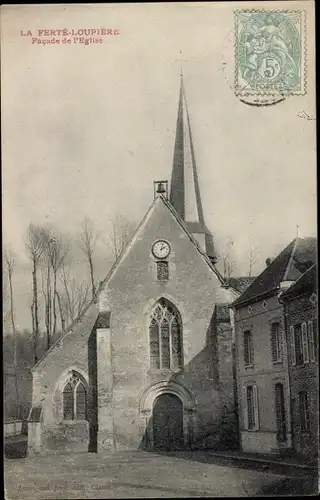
(162,222)
(306,282)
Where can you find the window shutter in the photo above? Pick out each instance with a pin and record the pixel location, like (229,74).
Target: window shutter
(256,407)
(293,346)
(251,349)
(281,340)
(273,343)
(248,348)
(245,348)
(245,408)
(305,343)
(311,341)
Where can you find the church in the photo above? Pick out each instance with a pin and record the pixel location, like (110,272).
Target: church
(149,364)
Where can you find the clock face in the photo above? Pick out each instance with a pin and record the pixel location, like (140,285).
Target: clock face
(161,249)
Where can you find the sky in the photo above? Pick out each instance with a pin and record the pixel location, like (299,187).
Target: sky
(86,129)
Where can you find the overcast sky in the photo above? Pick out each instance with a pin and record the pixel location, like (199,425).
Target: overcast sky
(87,128)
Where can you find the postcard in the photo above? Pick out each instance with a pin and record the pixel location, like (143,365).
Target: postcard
(159,249)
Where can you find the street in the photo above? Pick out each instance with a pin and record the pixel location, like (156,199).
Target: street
(140,474)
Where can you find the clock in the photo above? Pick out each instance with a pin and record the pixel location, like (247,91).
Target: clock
(161,249)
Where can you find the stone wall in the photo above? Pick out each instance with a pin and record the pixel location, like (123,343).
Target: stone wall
(69,353)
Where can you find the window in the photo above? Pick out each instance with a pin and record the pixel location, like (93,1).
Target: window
(276,351)
(300,344)
(248,348)
(165,334)
(74,399)
(304,412)
(250,407)
(162,271)
(280,412)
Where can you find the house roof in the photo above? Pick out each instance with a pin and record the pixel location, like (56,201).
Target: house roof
(241,283)
(306,282)
(289,265)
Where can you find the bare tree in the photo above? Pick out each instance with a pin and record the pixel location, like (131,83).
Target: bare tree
(34,242)
(47,294)
(88,238)
(252,259)
(56,250)
(76,294)
(9,264)
(61,311)
(5,306)
(82,296)
(228,258)
(119,235)
(68,295)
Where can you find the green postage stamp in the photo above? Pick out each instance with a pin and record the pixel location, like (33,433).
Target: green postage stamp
(270,52)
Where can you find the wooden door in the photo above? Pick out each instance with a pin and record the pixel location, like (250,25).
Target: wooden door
(168,423)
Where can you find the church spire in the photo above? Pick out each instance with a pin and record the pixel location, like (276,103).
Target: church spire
(185,193)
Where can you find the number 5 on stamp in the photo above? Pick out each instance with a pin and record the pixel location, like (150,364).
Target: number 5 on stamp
(270,53)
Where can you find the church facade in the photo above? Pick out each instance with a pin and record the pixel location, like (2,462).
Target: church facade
(149,364)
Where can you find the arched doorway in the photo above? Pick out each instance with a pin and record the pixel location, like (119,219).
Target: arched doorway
(168,422)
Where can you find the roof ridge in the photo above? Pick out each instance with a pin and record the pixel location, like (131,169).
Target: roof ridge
(67,331)
(183,224)
(300,277)
(294,246)
(239,300)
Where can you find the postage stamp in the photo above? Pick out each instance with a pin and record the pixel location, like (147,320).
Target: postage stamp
(270,53)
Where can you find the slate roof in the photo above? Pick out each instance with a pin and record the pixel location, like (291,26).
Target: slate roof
(306,282)
(241,283)
(289,265)
(185,191)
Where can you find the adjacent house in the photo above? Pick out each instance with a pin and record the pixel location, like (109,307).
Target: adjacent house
(263,384)
(300,305)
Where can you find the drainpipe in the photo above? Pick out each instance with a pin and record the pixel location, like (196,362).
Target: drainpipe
(286,333)
(234,373)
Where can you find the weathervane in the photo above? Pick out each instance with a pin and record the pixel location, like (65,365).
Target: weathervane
(180,60)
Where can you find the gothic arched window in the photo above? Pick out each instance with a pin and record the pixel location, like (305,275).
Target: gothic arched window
(165,331)
(74,398)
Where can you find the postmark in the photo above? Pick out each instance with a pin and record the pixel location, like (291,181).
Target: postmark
(270,54)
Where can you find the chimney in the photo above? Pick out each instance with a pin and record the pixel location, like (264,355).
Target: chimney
(268,261)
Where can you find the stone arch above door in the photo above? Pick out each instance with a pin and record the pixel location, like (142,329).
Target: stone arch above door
(154,391)
(147,402)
